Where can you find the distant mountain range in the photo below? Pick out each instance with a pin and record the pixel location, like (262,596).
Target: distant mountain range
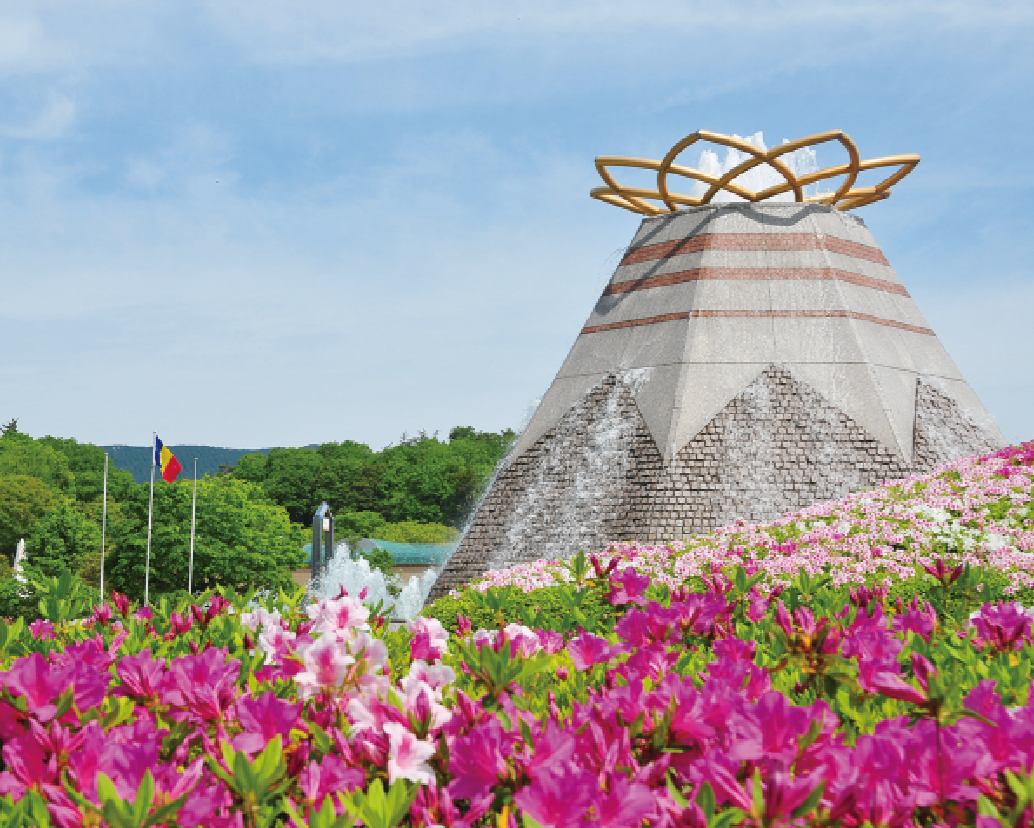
(137,459)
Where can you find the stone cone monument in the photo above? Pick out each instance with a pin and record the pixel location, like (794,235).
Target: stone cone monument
(746,359)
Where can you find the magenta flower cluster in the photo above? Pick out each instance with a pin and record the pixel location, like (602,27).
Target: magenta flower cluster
(671,703)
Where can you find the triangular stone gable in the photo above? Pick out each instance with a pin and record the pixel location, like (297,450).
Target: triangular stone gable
(776,447)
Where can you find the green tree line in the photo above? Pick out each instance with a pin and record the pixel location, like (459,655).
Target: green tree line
(422,481)
(51,496)
(251,520)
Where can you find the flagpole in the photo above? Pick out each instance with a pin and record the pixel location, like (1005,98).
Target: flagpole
(104,523)
(150,512)
(193,516)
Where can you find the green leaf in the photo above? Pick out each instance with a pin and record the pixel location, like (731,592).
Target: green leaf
(120,814)
(986,808)
(378,809)
(321,741)
(734,816)
(325,817)
(106,791)
(705,799)
(757,794)
(144,798)
(676,794)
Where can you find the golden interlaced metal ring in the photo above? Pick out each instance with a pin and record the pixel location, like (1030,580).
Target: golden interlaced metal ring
(846,197)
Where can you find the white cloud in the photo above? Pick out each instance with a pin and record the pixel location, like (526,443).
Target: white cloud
(49,123)
(50,34)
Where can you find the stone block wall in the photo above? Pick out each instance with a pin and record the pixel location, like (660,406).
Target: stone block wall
(943,431)
(776,447)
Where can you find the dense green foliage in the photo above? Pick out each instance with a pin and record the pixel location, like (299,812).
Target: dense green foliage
(51,495)
(420,480)
(372,525)
(242,538)
(561,608)
(23,501)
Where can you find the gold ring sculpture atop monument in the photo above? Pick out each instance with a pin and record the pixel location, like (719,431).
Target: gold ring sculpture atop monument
(846,197)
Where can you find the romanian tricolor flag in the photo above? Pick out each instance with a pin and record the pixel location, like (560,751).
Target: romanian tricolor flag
(166,461)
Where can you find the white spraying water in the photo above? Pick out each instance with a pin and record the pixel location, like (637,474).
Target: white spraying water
(555,521)
(800,162)
(356,575)
(19,557)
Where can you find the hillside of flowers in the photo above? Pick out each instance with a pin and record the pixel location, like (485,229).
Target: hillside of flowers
(771,686)
(975,511)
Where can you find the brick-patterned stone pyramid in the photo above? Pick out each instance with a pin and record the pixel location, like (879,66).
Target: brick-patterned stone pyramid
(745,360)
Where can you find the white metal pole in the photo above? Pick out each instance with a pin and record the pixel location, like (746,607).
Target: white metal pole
(104,522)
(193,518)
(150,511)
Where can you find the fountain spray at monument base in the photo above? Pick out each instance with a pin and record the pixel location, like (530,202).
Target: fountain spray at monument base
(356,575)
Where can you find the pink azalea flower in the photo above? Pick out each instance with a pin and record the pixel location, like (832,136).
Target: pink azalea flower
(370,713)
(892,685)
(430,639)
(319,779)
(560,799)
(263,719)
(463,626)
(178,625)
(39,682)
(204,685)
(42,630)
(552,642)
(326,666)
(1003,626)
(422,704)
(142,676)
(338,615)
(920,618)
(407,755)
(435,676)
(625,803)
(521,639)
(942,572)
(121,604)
(260,617)
(587,650)
(477,761)
(553,748)
(28,766)
(627,588)
(275,642)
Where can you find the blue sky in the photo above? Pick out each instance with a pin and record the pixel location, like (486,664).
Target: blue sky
(264,223)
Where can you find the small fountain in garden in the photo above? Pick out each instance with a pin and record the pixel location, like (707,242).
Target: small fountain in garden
(355,574)
(753,353)
(19,559)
